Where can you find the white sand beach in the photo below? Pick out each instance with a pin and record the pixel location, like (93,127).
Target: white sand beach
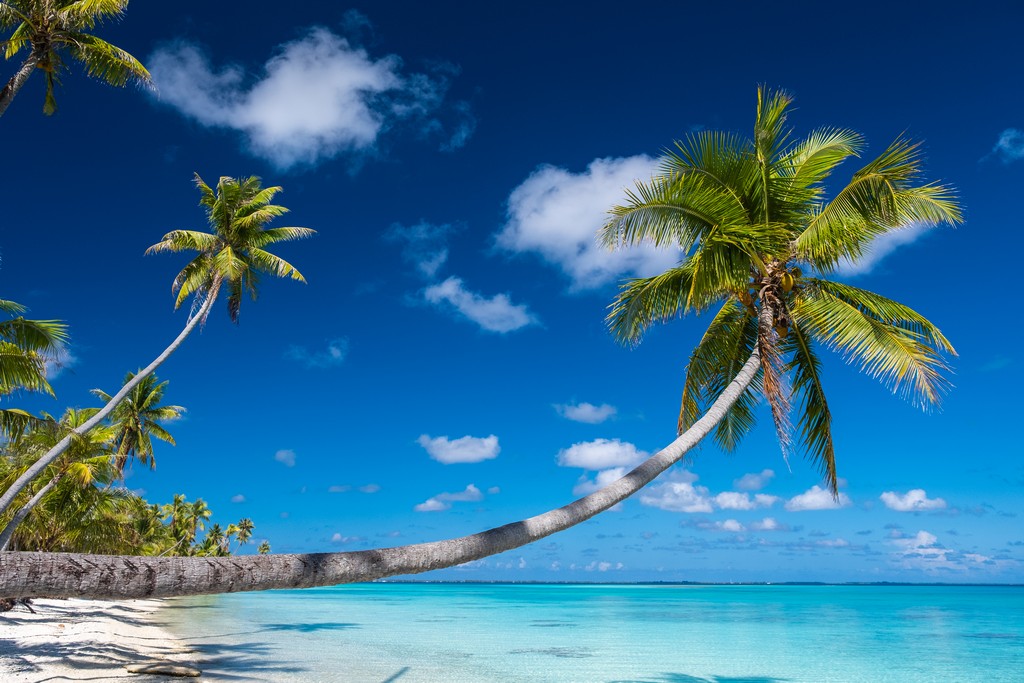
(84,640)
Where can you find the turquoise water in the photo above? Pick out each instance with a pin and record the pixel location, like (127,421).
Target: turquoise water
(407,633)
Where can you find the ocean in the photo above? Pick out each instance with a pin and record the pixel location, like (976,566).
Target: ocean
(415,632)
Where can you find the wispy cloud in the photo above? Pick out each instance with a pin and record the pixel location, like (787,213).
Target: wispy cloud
(334,354)
(557,214)
(733,500)
(286,457)
(239,498)
(319,97)
(586,412)
(467,449)
(1010,146)
(443,501)
(424,244)
(496,314)
(880,247)
(754,482)
(60,361)
(817,498)
(914,500)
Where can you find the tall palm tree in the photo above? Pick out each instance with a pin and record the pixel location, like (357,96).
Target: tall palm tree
(137,421)
(233,254)
(25,348)
(759,238)
(742,213)
(50,30)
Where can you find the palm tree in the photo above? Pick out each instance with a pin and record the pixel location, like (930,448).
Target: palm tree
(50,30)
(84,464)
(743,214)
(137,420)
(754,225)
(25,348)
(233,254)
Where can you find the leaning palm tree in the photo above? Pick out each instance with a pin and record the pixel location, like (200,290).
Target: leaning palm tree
(137,421)
(86,463)
(759,239)
(743,214)
(232,255)
(50,30)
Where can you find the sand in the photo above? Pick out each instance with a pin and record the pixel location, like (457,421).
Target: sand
(85,640)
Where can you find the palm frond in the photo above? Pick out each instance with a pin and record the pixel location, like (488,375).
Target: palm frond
(815,418)
(899,357)
(880,198)
(724,348)
(107,62)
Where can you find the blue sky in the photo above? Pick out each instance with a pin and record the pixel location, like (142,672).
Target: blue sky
(446,368)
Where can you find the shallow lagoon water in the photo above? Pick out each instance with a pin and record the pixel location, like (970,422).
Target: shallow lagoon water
(415,632)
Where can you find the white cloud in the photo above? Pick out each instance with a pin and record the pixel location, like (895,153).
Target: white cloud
(586,412)
(443,501)
(754,482)
(344,488)
(424,245)
(239,498)
(730,525)
(880,247)
(557,214)
(369,488)
(1010,146)
(497,314)
(494,490)
(286,457)
(731,500)
(601,454)
(342,540)
(318,97)
(465,449)
(678,496)
(586,486)
(912,501)
(768,524)
(332,355)
(817,498)
(60,361)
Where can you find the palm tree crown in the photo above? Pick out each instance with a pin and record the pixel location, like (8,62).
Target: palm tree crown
(137,421)
(51,29)
(234,252)
(25,348)
(758,237)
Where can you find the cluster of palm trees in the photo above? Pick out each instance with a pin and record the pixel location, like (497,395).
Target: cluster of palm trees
(758,236)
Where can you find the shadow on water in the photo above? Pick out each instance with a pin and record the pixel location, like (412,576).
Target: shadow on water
(685,678)
(398,674)
(311,627)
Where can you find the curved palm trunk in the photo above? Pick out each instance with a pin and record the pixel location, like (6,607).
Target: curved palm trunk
(18,80)
(20,515)
(39,465)
(25,574)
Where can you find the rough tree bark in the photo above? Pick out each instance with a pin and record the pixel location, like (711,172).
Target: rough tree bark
(18,80)
(24,574)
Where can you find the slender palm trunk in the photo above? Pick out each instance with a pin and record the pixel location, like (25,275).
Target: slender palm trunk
(18,80)
(27,574)
(20,515)
(39,465)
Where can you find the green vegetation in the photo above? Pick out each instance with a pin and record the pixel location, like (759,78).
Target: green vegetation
(755,224)
(80,506)
(49,30)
